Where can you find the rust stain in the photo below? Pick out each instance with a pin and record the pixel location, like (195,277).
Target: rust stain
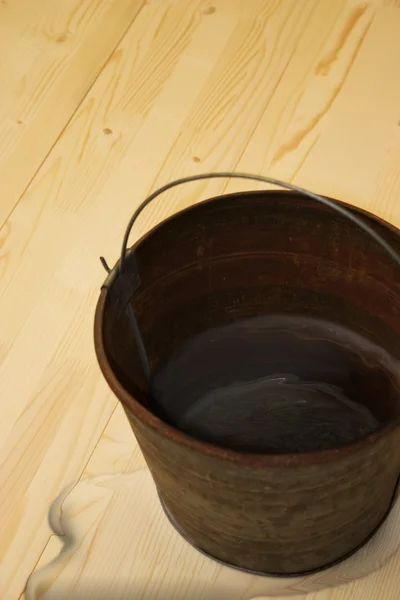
(300,135)
(325,64)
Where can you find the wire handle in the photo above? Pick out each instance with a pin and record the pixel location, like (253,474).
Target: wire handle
(236,175)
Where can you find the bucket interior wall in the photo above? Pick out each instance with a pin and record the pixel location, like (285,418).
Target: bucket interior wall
(247,255)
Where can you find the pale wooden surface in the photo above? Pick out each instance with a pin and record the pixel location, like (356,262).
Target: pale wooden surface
(119,545)
(305,90)
(51,54)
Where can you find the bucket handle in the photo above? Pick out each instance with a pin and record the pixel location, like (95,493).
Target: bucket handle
(118,270)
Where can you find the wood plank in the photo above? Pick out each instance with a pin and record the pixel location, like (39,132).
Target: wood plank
(51,53)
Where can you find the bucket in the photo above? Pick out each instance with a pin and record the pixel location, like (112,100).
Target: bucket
(253,341)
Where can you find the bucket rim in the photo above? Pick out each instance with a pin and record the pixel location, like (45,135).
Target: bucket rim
(254,460)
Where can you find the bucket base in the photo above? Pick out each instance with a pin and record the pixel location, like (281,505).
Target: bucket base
(281,575)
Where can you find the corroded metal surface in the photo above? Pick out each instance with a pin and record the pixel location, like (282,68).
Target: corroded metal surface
(242,256)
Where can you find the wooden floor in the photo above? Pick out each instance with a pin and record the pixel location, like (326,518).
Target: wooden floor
(101,101)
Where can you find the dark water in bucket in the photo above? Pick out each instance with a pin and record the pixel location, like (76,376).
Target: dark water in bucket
(279,384)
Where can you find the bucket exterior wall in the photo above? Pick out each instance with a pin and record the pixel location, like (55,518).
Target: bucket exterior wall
(274,520)
(278,514)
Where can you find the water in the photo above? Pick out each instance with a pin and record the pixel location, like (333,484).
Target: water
(276,384)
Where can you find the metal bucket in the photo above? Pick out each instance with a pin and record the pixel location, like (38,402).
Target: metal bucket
(235,257)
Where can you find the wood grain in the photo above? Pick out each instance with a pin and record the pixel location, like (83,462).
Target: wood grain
(101,518)
(305,91)
(51,53)
(361,121)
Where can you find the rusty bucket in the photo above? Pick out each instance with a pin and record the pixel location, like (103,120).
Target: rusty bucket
(281,502)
